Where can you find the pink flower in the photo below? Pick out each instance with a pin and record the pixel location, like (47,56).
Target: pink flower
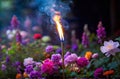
(110,48)
(47,66)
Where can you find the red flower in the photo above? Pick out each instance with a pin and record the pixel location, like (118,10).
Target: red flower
(37,36)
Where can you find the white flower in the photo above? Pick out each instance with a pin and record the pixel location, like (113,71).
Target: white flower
(110,48)
(10,34)
(28,61)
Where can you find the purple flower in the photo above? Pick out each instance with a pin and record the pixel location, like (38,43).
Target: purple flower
(18,37)
(28,61)
(110,48)
(49,49)
(71,59)
(29,68)
(35,75)
(3,67)
(56,58)
(74,47)
(82,62)
(47,66)
(16,64)
(14,22)
(101,34)
(85,40)
(7,59)
(59,50)
(67,54)
(98,72)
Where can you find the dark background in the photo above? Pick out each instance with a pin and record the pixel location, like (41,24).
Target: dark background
(82,12)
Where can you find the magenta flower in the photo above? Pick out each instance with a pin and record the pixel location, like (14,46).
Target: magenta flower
(85,40)
(110,48)
(101,34)
(98,73)
(82,62)
(47,66)
(14,22)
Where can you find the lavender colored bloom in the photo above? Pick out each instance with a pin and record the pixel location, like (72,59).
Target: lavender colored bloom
(14,22)
(49,49)
(98,73)
(85,40)
(18,37)
(67,54)
(29,68)
(3,67)
(110,48)
(95,55)
(28,61)
(35,75)
(74,47)
(56,58)
(82,62)
(7,59)
(101,34)
(59,50)
(71,58)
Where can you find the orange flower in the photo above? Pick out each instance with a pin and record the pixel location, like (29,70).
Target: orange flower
(109,72)
(18,76)
(88,55)
(25,75)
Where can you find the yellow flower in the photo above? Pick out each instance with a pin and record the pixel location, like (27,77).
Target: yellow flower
(88,55)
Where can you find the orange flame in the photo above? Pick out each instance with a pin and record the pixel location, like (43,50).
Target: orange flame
(57,18)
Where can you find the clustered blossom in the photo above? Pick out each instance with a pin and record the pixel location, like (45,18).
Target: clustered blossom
(28,61)
(47,66)
(35,75)
(82,62)
(71,58)
(56,58)
(85,40)
(98,73)
(67,54)
(101,34)
(110,48)
(28,69)
(49,49)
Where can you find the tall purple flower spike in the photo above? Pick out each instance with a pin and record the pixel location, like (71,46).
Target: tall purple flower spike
(101,34)
(18,37)
(14,22)
(85,40)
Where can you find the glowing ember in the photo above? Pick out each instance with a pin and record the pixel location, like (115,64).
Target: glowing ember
(57,18)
